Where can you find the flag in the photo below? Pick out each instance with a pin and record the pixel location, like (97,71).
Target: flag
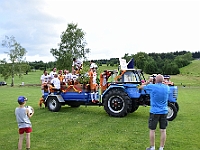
(130,64)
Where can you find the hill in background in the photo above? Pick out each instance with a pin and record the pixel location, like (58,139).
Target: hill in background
(192,69)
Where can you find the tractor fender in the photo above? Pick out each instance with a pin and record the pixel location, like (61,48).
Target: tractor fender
(58,97)
(112,87)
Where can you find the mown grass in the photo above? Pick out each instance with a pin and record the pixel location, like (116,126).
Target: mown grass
(90,128)
(192,69)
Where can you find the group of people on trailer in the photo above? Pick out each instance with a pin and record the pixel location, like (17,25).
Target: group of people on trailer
(63,80)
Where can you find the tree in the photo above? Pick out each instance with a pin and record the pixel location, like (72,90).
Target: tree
(183,60)
(141,59)
(16,57)
(72,46)
(170,68)
(151,67)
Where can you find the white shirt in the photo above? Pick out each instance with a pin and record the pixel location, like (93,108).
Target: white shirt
(67,77)
(56,83)
(44,78)
(74,77)
(52,73)
(94,80)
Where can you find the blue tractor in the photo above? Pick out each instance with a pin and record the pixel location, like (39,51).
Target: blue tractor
(121,97)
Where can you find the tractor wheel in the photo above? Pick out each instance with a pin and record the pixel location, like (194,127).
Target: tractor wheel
(177,106)
(116,103)
(53,104)
(134,108)
(172,112)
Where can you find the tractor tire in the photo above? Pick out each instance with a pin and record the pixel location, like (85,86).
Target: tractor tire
(116,103)
(177,106)
(53,104)
(134,108)
(172,112)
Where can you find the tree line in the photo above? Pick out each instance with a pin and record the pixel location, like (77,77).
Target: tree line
(73,45)
(165,63)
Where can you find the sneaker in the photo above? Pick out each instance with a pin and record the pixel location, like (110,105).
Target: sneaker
(150,148)
(93,101)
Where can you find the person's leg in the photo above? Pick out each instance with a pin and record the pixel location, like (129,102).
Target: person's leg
(163,124)
(162,138)
(92,94)
(28,141)
(152,138)
(153,121)
(20,143)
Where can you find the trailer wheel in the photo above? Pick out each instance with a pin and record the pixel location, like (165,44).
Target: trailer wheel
(172,112)
(53,104)
(116,103)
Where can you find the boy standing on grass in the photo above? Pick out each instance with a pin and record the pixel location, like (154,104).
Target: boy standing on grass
(23,119)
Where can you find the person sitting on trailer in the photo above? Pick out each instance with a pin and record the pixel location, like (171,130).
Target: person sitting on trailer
(55,84)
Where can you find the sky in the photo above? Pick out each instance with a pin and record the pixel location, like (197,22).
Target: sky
(112,27)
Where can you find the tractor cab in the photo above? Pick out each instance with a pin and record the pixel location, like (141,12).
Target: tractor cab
(130,76)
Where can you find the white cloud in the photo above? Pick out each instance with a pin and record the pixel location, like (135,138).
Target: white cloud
(112,28)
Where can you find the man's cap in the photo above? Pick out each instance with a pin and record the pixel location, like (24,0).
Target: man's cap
(22,99)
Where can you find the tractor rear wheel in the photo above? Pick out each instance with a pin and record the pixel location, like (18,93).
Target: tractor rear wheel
(116,103)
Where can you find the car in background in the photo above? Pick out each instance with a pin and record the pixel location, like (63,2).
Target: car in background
(2,83)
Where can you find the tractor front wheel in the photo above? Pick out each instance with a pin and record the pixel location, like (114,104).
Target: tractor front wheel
(172,112)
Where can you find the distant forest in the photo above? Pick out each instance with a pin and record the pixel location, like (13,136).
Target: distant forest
(165,63)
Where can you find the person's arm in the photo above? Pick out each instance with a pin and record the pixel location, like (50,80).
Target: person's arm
(73,67)
(144,84)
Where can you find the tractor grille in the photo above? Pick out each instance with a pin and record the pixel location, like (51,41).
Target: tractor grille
(175,93)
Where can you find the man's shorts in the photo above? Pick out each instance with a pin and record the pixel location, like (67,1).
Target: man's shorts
(27,130)
(155,118)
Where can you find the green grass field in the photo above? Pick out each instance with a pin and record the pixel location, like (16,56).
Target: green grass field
(90,128)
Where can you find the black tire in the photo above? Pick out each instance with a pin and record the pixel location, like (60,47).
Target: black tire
(172,112)
(74,104)
(53,104)
(177,106)
(134,106)
(116,103)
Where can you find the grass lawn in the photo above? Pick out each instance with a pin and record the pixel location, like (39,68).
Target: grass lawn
(90,128)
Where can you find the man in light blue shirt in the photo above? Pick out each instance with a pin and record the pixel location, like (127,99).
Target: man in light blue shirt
(158,109)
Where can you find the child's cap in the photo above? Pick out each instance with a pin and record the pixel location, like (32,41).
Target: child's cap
(21,99)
